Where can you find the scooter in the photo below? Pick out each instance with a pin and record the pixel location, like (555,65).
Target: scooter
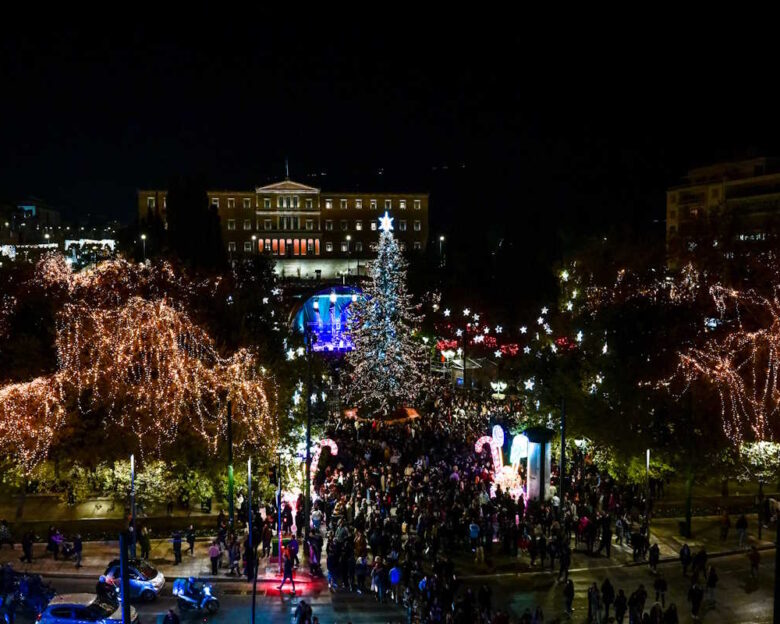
(194,595)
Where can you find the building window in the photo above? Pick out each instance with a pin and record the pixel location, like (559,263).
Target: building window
(247,224)
(344,225)
(358,203)
(231,202)
(402,225)
(372,204)
(388,204)
(268,244)
(358,246)
(296,202)
(309,246)
(267,224)
(215,202)
(328,204)
(310,224)
(417,226)
(247,202)
(402,204)
(343,204)
(373,226)
(309,204)
(417,204)
(259,224)
(247,245)
(328,225)
(231,224)
(417,245)
(267,203)
(231,245)
(151,202)
(260,247)
(328,246)
(344,246)
(358,225)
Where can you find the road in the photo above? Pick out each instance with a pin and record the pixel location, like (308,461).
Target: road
(738,600)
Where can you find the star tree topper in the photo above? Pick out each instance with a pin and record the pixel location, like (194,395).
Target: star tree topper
(386,222)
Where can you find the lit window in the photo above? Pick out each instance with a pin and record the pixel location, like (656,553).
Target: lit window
(268,244)
(267,203)
(358,203)
(310,224)
(259,224)
(328,246)
(402,225)
(231,224)
(417,204)
(358,225)
(247,224)
(388,204)
(358,246)
(247,245)
(344,225)
(296,202)
(247,202)
(231,202)
(215,202)
(344,246)
(343,204)
(267,224)
(328,204)
(402,204)
(151,202)
(231,245)
(309,204)
(417,226)
(373,226)
(372,204)
(328,225)
(417,245)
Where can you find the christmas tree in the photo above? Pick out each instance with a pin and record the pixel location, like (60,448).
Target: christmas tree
(387,363)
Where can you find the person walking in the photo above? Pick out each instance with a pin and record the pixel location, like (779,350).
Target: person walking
(621,606)
(568,595)
(755,560)
(214,553)
(742,527)
(267,536)
(293,546)
(607,597)
(563,574)
(725,525)
(712,583)
(27,547)
(176,539)
(654,557)
(145,542)
(685,558)
(594,604)
(191,540)
(660,585)
(78,546)
(670,616)
(695,597)
(288,573)
(171,617)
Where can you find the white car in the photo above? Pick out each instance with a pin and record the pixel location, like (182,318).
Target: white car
(83,609)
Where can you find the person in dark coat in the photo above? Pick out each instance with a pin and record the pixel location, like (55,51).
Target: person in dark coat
(78,547)
(191,539)
(568,595)
(177,547)
(27,546)
(685,558)
(288,573)
(695,597)
(660,587)
(607,597)
(621,606)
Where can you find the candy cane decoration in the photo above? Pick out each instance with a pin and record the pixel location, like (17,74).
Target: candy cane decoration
(495,449)
(334,450)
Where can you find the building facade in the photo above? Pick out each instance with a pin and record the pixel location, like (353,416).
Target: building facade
(309,232)
(745,195)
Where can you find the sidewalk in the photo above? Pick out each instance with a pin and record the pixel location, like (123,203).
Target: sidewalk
(97,555)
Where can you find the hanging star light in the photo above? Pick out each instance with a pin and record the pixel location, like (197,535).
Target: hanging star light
(458,332)
(497,353)
(579,336)
(526,350)
(540,320)
(529,384)
(466,311)
(447,312)
(544,310)
(499,329)
(523,329)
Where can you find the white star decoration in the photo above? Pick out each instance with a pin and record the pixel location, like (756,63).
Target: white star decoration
(529,384)
(447,312)
(386,222)
(544,310)
(526,350)
(466,312)
(459,333)
(523,329)
(499,329)
(497,353)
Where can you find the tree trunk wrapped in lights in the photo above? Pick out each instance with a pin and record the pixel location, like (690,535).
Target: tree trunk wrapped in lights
(387,363)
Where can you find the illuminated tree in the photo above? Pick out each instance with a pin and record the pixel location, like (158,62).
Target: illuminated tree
(386,365)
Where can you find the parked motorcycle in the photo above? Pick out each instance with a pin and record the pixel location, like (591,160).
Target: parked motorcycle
(194,595)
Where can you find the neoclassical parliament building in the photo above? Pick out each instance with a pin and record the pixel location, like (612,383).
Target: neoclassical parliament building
(309,232)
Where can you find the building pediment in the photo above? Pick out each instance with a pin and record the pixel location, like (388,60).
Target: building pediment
(287,186)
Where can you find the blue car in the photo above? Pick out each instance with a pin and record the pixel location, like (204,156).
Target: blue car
(82,609)
(145,580)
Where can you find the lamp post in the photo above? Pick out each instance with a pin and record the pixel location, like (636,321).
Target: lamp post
(251,569)
(231,509)
(441,257)
(143,244)
(279,507)
(349,253)
(307,499)
(254,244)
(132,505)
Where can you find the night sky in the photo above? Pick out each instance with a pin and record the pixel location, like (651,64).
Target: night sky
(533,141)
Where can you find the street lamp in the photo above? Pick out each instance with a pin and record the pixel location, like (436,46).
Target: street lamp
(143,243)
(441,257)
(132,505)
(279,506)
(349,238)
(254,243)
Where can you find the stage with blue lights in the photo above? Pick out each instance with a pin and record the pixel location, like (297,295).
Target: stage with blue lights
(324,315)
